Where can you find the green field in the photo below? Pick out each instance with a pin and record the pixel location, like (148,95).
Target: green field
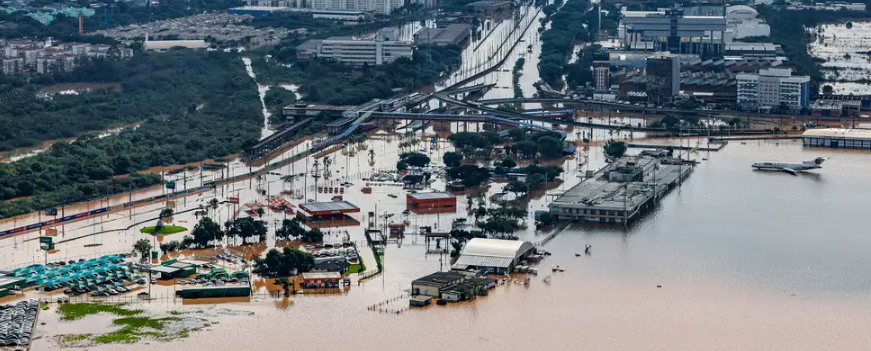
(170,229)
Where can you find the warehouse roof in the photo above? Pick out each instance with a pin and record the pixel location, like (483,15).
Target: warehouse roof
(431,196)
(164,269)
(334,206)
(481,252)
(322,275)
(439,279)
(168,44)
(855,133)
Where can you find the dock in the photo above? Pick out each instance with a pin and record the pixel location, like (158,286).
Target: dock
(621,191)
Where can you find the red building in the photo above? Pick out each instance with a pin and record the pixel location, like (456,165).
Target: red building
(321,280)
(425,202)
(327,210)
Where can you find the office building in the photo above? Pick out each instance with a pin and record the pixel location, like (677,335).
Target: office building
(772,87)
(662,77)
(674,32)
(382,7)
(384,49)
(601,74)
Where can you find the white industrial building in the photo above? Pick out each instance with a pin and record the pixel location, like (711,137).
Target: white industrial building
(164,45)
(384,49)
(771,87)
(837,138)
(742,22)
(493,256)
(672,31)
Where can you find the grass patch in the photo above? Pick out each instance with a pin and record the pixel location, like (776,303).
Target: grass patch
(169,229)
(72,339)
(73,311)
(132,330)
(355,268)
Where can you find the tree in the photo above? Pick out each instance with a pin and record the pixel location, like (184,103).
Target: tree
(165,213)
(164,248)
(534,181)
(508,163)
(828,90)
(516,187)
(401,166)
(143,247)
(415,159)
(550,147)
(452,159)
(205,232)
(260,212)
(527,148)
(313,235)
(284,262)
(615,149)
(546,219)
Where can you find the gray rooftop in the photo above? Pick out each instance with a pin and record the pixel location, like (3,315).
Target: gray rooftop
(599,193)
(431,196)
(329,206)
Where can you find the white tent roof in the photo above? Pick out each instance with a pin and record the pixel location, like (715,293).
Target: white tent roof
(492,252)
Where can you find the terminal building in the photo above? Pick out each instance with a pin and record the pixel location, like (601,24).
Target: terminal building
(838,138)
(620,191)
(493,256)
(672,31)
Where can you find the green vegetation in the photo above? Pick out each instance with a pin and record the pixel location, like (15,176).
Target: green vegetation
(356,268)
(452,159)
(292,228)
(73,311)
(334,83)
(132,330)
(161,90)
(414,159)
(70,340)
(283,263)
(276,99)
(143,247)
(469,176)
(169,229)
(544,145)
(518,66)
(615,149)
(567,27)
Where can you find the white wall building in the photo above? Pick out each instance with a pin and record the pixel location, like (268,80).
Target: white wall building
(741,22)
(773,86)
(384,49)
(384,7)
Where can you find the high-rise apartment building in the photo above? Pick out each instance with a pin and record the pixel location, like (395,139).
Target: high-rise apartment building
(601,74)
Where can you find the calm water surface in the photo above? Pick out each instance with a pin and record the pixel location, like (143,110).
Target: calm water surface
(746,260)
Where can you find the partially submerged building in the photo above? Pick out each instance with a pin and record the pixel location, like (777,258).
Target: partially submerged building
(838,138)
(493,256)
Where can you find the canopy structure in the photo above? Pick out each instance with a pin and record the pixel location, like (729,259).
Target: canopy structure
(493,254)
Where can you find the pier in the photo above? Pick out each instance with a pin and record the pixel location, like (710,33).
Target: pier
(621,191)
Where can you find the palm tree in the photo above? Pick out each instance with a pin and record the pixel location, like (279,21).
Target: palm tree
(260,212)
(227,226)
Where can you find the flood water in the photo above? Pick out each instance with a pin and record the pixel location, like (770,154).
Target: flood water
(846,54)
(745,260)
(768,260)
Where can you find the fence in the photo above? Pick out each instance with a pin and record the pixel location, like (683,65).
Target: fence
(379,307)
